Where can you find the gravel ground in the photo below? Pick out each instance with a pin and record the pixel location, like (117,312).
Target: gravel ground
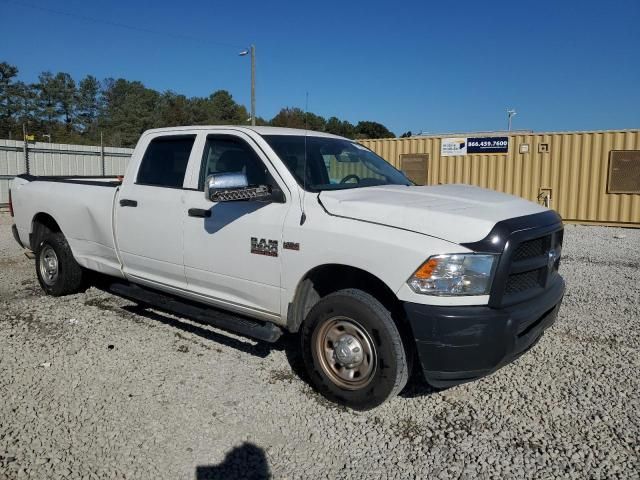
(94,387)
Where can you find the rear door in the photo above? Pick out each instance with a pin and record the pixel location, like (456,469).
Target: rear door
(149,214)
(232,256)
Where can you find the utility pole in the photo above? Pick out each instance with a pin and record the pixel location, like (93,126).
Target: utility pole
(253,85)
(252,52)
(25,148)
(101,155)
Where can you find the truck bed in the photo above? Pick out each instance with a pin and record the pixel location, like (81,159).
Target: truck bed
(82,207)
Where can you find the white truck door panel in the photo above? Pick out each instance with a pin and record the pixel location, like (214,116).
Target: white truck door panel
(218,257)
(150,214)
(150,234)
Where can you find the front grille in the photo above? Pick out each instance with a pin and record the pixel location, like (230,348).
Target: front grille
(528,247)
(529,268)
(520,282)
(532,248)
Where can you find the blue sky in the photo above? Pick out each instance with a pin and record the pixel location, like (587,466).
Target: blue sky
(414,65)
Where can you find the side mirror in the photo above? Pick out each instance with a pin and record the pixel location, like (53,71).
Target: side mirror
(230,187)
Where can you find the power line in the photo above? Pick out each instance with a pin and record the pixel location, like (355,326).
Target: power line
(122,25)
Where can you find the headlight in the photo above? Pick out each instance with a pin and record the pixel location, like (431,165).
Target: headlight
(454,274)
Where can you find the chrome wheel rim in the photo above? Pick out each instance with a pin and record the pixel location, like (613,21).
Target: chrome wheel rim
(48,265)
(346,353)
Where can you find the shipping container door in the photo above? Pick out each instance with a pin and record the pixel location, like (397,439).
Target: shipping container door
(416,167)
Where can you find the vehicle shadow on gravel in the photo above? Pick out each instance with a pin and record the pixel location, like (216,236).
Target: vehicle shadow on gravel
(247,461)
(417,386)
(289,343)
(193,326)
(259,349)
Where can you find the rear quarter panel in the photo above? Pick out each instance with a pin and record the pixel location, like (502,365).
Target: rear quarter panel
(83,212)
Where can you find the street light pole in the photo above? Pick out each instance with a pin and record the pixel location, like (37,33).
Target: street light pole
(252,51)
(510,113)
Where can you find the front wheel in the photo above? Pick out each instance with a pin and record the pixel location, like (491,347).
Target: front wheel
(353,350)
(58,272)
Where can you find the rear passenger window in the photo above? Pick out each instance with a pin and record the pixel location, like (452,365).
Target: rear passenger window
(165,161)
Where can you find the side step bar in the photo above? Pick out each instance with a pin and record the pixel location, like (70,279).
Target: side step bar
(264,331)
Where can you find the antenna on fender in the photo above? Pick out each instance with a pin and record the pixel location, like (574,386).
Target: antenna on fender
(303,216)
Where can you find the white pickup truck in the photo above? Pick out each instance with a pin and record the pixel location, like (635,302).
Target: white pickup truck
(310,233)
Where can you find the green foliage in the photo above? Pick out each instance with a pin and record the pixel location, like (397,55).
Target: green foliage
(297,118)
(46,100)
(369,129)
(130,109)
(289,117)
(341,127)
(406,134)
(25,100)
(8,105)
(65,97)
(88,105)
(224,109)
(121,110)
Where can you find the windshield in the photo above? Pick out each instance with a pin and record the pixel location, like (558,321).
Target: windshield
(333,163)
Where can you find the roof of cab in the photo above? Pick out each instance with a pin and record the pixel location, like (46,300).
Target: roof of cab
(247,129)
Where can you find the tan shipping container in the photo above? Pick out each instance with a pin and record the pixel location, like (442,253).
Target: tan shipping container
(580,174)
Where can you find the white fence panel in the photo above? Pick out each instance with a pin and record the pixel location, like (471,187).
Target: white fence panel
(4,190)
(58,159)
(11,157)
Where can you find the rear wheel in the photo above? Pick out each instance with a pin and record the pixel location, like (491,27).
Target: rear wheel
(57,270)
(353,350)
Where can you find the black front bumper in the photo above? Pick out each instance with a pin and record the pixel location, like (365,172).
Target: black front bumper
(460,344)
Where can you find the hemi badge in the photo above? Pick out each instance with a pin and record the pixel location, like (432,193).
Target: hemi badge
(291,245)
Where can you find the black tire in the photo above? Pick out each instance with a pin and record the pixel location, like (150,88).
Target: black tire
(367,321)
(69,275)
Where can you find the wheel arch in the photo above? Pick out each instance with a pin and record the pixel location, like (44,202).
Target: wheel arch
(324,279)
(41,223)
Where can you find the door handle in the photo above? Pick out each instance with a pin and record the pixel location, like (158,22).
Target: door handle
(128,203)
(199,212)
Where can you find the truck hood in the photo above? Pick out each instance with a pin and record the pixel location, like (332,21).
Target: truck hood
(456,213)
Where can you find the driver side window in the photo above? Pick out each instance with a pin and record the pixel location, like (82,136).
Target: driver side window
(227,154)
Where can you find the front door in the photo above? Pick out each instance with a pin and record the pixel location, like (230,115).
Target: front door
(233,256)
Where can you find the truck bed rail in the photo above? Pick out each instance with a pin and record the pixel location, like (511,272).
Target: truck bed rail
(96,180)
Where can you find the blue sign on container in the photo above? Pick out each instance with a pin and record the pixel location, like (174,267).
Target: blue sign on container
(487,144)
